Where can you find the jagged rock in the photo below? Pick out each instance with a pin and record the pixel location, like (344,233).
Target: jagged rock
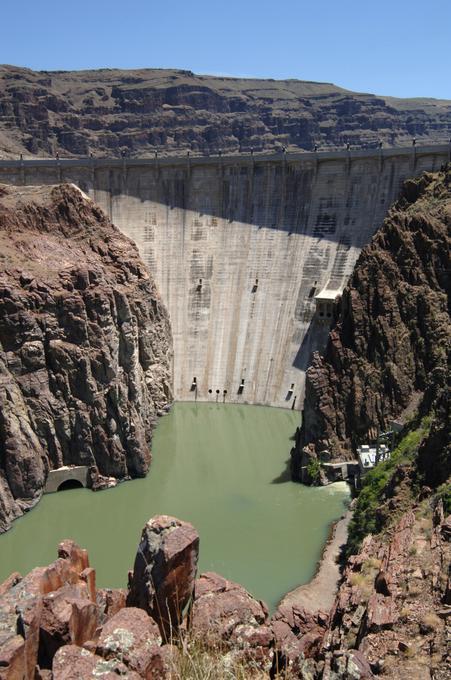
(110,601)
(381,612)
(85,346)
(112,111)
(298,634)
(164,572)
(12,659)
(68,616)
(46,607)
(72,663)
(132,637)
(224,613)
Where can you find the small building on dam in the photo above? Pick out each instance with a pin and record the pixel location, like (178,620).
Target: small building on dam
(249,252)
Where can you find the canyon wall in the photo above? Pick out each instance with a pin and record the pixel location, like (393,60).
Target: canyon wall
(108,112)
(239,246)
(388,350)
(85,346)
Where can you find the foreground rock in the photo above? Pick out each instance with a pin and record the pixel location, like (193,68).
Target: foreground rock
(54,623)
(85,345)
(390,616)
(162,581)
(225,613)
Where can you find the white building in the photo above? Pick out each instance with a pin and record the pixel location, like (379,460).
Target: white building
(367,455)
(325,301)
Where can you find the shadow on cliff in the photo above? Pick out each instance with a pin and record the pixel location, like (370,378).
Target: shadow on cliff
(314,341)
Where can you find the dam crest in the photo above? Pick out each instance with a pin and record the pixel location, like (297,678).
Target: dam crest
(241,247)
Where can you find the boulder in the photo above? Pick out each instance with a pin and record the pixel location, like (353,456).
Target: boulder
(298,634)
(68,616)
(225,614)
(164,572)
(75,663)
(132,637)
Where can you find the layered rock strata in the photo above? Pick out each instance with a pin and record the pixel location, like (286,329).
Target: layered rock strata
(387,351)
(109,112)
(85,346)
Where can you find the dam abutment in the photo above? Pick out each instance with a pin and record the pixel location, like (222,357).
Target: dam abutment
(240,246)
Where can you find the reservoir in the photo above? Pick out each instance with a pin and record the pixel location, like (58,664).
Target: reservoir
(222,467)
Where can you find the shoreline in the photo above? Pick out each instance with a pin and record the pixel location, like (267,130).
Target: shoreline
(319,593)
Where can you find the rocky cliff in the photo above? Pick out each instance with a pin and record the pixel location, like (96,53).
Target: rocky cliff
(109,112)
(85,345)
(388,349)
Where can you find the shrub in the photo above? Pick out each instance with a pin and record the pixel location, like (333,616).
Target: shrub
(314,470)
(429,623)
(444,494)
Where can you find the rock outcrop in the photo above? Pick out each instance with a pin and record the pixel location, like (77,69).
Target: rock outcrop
(109,112)
(390,616)
(387,350)
(162,580)
(85,346)
(392,608)
(55,624)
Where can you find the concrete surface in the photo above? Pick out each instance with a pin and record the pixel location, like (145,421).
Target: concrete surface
(78,473)
(239,247)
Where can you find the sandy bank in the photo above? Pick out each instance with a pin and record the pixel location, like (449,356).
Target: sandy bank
(319,593)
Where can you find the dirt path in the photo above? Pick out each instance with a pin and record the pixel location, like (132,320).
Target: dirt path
(319,593)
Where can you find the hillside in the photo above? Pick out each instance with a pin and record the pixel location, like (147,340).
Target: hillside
(137,112)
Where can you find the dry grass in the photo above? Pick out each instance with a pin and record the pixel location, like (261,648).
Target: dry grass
(202,660)
(430,623)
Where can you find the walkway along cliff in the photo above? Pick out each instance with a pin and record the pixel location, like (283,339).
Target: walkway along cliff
(85,346)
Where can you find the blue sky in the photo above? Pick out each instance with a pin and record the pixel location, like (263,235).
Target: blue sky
(394,47)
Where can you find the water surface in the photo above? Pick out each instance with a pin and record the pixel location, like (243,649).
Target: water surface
(221,467)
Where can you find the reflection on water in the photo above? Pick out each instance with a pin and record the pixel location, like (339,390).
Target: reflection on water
(215,466)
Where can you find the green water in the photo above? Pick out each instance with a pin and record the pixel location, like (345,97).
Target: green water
(218,466)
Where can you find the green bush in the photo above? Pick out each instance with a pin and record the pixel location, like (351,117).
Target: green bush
(444,493)
(314,470)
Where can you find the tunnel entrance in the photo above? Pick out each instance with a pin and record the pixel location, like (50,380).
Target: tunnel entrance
(70,484)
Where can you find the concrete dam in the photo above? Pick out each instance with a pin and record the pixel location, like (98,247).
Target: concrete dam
(248,251)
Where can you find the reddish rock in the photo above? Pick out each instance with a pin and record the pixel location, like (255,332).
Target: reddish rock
(298,634)
(76,556)
(131,636)
(68,617)
(20,610)
(224,613)
(381,612)
(89,577)
(110,601)
(11,581)
(164,572)
(74,663)
(13,663)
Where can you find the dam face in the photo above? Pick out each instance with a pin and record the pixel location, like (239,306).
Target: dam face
(239,247)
